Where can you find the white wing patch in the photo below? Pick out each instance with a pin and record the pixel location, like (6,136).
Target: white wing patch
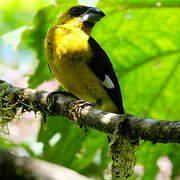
(108,83)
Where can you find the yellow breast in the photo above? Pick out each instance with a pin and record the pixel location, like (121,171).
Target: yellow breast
(68,54)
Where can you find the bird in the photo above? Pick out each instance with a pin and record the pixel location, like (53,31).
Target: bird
(84,69)
(79,63)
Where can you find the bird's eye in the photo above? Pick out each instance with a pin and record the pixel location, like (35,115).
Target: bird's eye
(74,11)
(78,11)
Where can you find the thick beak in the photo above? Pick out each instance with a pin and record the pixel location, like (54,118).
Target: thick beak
(92,15)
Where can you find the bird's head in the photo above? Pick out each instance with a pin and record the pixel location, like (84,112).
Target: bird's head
(83,16)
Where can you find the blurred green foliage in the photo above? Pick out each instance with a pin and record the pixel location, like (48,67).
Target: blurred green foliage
(16,13)
(142,40)
(33,38)
(75,149)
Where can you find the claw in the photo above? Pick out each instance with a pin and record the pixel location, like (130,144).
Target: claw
(78,106)
(52,97)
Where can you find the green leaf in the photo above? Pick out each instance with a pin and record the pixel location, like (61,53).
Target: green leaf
(140,3)
(66,4)
(17,13)
(143,44)
(8,144)
(34,37)
(150,153)
(74,149)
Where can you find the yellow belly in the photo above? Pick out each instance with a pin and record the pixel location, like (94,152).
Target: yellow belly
(68,55)
(77,78)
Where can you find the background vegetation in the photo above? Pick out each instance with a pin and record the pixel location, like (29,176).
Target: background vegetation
(142,39)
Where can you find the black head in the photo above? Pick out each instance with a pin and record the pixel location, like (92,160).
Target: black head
(87,14)
(77,11)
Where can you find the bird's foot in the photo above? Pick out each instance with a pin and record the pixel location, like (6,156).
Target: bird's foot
(77,106)
(52,98)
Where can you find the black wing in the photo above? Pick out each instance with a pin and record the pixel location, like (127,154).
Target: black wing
(101,66)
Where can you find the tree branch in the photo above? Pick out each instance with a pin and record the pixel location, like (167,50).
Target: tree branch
(25,168)
(157,131)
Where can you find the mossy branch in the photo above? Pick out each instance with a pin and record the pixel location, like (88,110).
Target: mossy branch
(157,131)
